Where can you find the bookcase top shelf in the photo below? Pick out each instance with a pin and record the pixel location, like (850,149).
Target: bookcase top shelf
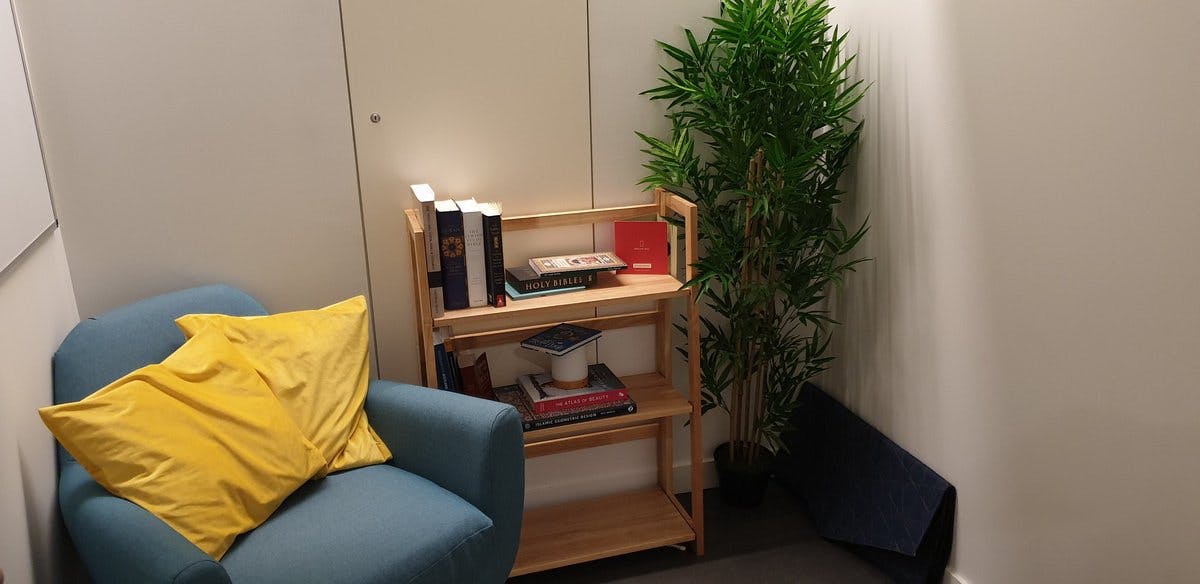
(608,289)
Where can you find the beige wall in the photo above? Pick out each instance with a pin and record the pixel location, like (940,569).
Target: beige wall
(1029,326)
(37,309)
(477,102)
(25,211)
(198,142)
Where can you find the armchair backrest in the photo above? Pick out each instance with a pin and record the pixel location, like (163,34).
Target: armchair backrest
(101,349)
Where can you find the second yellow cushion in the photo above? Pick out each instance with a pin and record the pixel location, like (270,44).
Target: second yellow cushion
(316,363)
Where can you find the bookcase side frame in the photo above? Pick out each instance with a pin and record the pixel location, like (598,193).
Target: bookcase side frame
(423,311)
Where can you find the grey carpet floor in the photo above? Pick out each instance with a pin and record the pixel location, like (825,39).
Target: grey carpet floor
(774,543)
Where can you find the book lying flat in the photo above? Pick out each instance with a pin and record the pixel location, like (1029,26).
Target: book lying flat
(603,387)
(582,262)
(512,395)
(513,294)
(561,339)
(524,280)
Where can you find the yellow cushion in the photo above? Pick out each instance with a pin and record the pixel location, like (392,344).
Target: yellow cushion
(198,440)
(316,363)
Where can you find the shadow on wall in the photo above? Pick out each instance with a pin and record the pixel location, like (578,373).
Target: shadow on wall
(911,351)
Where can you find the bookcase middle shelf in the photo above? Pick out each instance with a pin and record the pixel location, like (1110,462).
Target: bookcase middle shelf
(655,398)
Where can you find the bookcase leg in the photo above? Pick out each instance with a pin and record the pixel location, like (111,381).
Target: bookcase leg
(666,455)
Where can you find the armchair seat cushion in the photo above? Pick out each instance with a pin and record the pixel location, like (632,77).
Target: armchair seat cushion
(367,525)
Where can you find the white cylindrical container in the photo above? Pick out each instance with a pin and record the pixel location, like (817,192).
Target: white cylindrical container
(569,371)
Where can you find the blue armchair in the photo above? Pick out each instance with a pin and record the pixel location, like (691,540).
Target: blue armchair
(446,508)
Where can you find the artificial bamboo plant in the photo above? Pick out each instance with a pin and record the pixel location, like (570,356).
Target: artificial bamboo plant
(760,113)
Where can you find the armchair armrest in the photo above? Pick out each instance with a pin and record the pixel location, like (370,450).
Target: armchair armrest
(472,447)
(121,542)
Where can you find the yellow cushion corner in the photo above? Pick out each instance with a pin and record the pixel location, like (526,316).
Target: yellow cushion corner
(198,440)
(316,363)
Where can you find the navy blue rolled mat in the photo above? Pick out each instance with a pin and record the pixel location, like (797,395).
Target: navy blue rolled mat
(866,491)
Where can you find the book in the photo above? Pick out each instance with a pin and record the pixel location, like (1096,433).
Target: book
(642,245)
(514,295)
(475,375)
(483,378)
(582,262)
(561,339)
(455,371)
(452,248)
(603,387)
(433,257)
(441,360)
(472,220)
(493,253)
(512,395)
(673,249)
(524,280)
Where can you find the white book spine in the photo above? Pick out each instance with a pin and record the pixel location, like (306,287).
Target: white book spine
(473,252)
(433,255)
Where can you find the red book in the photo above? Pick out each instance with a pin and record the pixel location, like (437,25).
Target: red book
(643,245)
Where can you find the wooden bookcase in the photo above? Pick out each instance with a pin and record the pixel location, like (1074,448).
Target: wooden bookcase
(591,529)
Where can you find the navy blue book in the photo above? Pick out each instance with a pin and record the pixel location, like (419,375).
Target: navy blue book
(454,259)
(441,360)
(561,339)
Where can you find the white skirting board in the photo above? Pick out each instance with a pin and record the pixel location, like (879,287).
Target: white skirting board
(952,578)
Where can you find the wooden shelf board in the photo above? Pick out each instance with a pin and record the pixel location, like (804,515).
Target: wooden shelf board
(655,399)
(561,535)
(608,289)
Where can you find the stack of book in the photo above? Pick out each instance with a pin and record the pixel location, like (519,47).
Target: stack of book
(464,251)
(557,274)
(542,405)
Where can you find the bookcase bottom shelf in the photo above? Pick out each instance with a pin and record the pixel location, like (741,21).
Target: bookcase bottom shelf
(581,531)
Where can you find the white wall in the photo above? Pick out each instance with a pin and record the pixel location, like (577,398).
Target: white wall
(198,142)
(1029,326)
(25,211)
(37,309)
(477,102)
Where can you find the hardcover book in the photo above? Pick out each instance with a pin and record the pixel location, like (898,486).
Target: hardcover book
(643,245)
(433,257)
(583,262)
(603,387)
(452,247)
(514,295)
(441,359)
(512,395)
(472,220)
(524,280)
(561,339)
(475,375)
(493,253)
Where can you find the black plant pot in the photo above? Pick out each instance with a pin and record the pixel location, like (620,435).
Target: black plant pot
(743,484)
